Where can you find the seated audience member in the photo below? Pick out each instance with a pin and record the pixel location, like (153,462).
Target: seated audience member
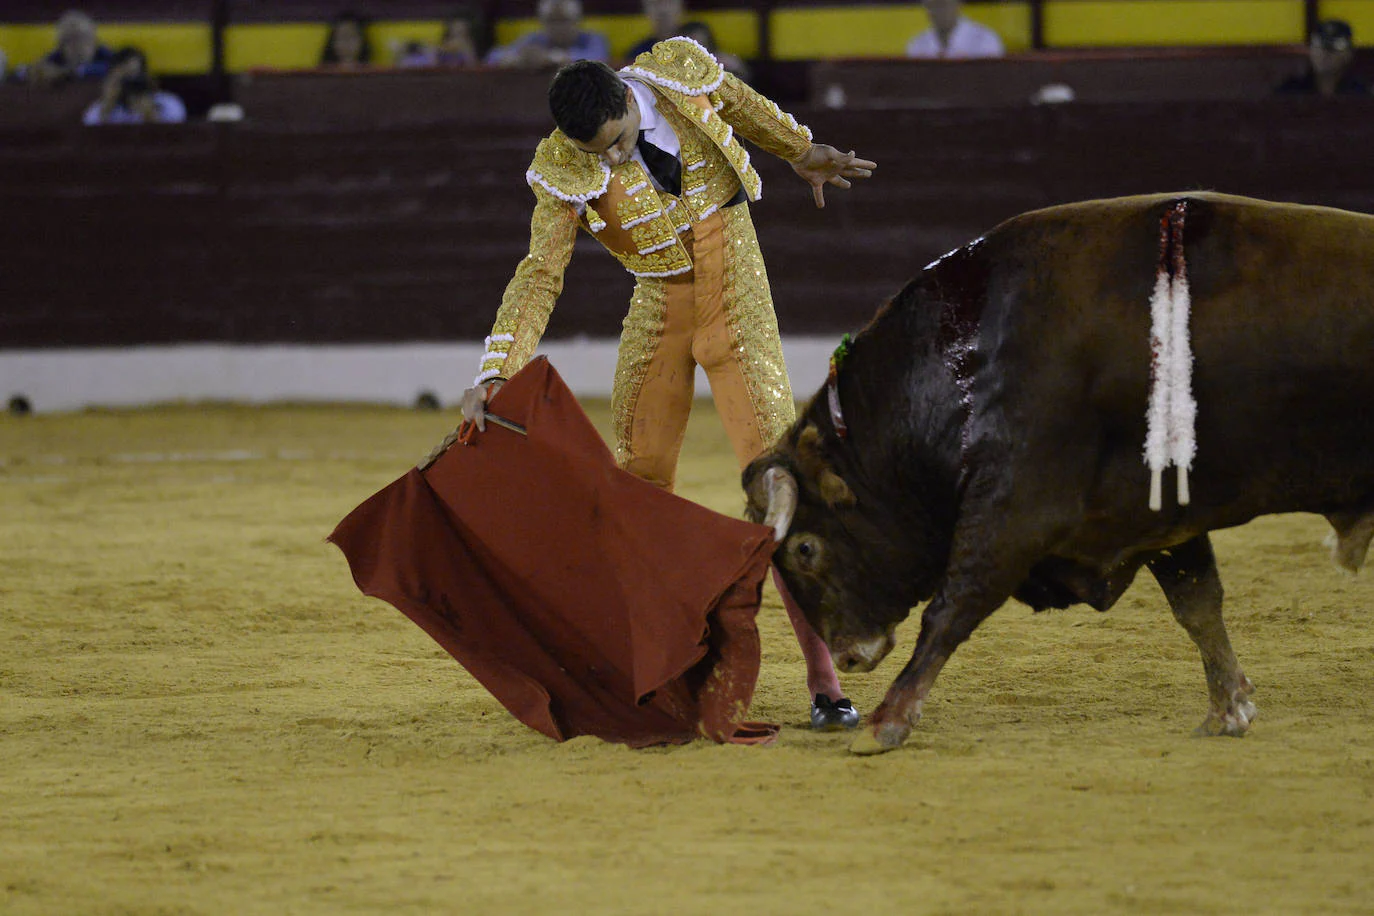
(346,46)
(1330,55)
(464,41)
(665,21)
(79,55)
(131,96)
(559,41)
(413,54)
(952,34)
(460,45)
(127,61)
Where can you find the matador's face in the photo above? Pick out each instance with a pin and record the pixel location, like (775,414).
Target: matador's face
(616,139)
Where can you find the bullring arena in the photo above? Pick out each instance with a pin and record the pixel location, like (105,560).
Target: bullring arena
(199,713)
(203,716)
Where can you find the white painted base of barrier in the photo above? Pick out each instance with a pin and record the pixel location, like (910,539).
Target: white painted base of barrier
(57,380)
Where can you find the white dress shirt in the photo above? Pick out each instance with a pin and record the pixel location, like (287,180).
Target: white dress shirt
(656,128)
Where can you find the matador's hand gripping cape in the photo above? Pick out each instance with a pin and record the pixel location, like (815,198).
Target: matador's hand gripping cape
(586,600)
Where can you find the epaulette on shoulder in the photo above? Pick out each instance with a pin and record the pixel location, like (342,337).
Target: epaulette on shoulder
(679,64)
(567,172)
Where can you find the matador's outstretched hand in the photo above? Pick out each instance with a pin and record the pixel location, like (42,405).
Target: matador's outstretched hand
(822,165)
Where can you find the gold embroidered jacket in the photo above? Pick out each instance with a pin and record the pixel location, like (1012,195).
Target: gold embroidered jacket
(620,207)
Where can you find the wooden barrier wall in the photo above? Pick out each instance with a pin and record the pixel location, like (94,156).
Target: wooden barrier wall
(1099,76)
(324,223)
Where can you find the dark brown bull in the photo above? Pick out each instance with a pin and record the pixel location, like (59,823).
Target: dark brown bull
(984,436)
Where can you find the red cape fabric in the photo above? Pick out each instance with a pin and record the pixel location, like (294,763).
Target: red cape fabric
(586,600)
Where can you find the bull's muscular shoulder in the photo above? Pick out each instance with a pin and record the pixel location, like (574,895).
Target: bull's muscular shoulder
(679,64)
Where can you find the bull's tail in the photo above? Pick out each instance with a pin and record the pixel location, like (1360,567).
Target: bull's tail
(1171,417)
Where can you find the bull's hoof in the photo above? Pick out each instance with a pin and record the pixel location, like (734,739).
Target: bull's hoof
(881,738)
(1233,723)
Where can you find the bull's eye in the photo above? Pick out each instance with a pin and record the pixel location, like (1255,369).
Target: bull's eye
(806,552)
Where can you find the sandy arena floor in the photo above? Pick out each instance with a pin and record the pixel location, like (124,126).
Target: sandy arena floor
(199,714)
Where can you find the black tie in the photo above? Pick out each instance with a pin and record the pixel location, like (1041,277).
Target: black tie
(665,168)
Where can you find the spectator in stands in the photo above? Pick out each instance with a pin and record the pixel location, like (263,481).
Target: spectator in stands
(127,61)
(130,96)
(460,45)
(665,21)
(951,34)
(346,46)
(412,54)
(559,41)
(1329,57)
(464,39)
(79,55)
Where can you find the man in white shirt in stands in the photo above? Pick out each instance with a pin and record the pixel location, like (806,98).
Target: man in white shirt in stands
(953,35)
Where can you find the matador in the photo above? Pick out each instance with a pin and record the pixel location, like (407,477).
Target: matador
(649,161)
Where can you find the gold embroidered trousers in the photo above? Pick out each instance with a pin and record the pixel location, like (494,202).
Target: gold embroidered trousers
(720,316)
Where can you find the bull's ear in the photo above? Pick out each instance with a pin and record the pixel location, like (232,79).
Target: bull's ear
(834,490)
(810,454)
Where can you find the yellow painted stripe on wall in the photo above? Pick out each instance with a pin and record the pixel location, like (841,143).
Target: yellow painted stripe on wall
(736,31)
(882,31)
(1136,23)
(172,47)
(285,46)
(26,43)
(292,46)
(1359,13)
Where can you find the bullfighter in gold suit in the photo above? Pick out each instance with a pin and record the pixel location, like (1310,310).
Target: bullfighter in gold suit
(649,161)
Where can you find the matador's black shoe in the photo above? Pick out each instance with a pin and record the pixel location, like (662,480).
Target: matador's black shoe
(829,715)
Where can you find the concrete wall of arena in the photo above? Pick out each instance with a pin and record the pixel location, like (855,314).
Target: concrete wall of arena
(63,379)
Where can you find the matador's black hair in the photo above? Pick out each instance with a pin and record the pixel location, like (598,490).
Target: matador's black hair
(585,95)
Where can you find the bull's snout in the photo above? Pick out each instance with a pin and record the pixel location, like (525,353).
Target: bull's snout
(859,655)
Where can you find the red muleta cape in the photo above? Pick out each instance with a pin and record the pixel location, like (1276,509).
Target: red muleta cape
(586,600)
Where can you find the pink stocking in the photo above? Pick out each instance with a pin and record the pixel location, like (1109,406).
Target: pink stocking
(820,670)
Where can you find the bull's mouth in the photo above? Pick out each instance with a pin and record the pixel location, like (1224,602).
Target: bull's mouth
(859,655)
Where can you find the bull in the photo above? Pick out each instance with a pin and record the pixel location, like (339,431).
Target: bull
(1002,427)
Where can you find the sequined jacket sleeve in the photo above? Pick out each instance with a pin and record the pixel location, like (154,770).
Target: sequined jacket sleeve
(532,292)
(759,120)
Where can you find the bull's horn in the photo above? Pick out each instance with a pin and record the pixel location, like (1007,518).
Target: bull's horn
(781,487)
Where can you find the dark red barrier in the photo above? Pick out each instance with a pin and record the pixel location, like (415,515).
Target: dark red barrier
(1127,75)
(382,98)
(264,231)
